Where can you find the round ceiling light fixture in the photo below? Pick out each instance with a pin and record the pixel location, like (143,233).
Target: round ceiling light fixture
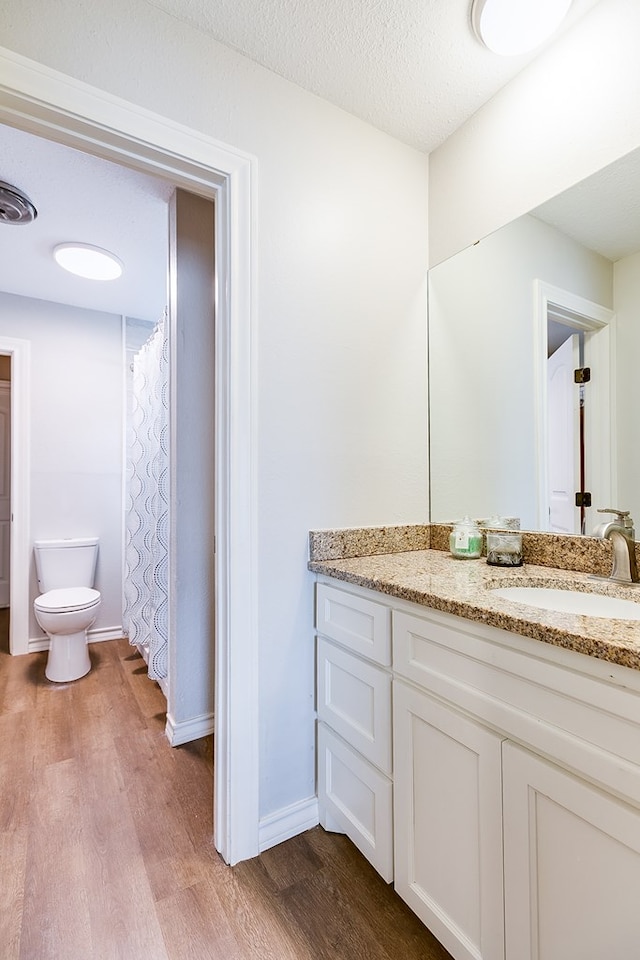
(15,206)
(88,261)
(512,27)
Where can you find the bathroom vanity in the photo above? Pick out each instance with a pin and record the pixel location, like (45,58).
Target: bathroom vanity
(483,755)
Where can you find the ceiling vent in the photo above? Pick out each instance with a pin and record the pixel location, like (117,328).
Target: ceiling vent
(15,207)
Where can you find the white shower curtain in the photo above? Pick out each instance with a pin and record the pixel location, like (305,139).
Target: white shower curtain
(145,617)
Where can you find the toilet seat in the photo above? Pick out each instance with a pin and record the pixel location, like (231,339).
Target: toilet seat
(67,600)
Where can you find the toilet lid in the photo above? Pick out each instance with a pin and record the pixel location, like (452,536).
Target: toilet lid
(68,598)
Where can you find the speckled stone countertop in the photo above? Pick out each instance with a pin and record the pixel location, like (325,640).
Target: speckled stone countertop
(435,579)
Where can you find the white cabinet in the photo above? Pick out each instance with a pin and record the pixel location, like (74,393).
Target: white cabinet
(572,865)
(448,813)
(516,777)
(354,722)
(546,849)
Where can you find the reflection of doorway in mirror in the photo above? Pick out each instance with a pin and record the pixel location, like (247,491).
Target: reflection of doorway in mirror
(5,498)
(592,461)
(564,440)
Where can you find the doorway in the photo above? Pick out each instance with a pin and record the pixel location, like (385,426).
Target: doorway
(5,498)
(566,421)
(41,101)
(575,446)
(15,356)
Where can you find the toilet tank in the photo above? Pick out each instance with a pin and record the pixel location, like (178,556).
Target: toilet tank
(65,563)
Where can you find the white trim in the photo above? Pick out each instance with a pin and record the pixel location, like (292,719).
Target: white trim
(38,644)
(101,634)
(123,453)
(20,563)
(48,103)
(288,822)
(187,730)
(598,323)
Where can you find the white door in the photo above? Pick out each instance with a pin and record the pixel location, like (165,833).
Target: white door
(5,491)
(572,865)
(563,437)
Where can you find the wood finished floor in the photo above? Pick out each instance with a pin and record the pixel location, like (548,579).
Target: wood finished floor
(106,849)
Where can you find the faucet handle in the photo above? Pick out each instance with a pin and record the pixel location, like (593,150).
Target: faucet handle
(624,516)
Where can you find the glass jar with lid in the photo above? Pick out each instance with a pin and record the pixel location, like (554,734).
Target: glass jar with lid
(465,540)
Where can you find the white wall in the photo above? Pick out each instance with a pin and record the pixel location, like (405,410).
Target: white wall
(192,390)
(482,392)
(76,434)
(626,276)
(342,252)
(570,113)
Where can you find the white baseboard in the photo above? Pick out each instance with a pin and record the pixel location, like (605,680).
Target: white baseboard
(37,644)
(288,822)
(186,730)
(105,633)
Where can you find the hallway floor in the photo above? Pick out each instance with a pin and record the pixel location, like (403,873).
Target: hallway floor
(106,849)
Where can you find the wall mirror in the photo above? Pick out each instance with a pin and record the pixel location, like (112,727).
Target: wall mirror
(510,320)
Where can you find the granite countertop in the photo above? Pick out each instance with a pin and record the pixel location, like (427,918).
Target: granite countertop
(462,587)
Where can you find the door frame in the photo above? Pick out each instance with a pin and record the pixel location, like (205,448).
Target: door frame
(598,323)
(20,444)
(5,391)
(567,356)
(58,107)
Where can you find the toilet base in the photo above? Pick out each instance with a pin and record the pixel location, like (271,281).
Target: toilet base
(68,657)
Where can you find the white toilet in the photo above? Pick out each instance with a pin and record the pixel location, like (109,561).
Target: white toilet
(67,606)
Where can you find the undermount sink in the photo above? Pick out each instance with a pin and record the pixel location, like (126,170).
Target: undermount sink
(571,601)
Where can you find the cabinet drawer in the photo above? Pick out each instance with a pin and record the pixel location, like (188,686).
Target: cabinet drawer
(354,698)
(358,623)
(358,798)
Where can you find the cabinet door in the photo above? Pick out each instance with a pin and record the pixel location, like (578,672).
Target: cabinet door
(355,798)
(448,824)
(572,865)
(354,698)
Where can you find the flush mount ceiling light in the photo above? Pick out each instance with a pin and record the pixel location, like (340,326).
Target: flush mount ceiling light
(15,206)
(88,261)
(511,27)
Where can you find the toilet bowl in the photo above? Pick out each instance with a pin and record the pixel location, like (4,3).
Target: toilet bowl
(66,615)
(68,605)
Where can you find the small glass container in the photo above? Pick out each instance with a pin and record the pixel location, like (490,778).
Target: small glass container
(465,540)
(511,523)
(504,548)
(501,523)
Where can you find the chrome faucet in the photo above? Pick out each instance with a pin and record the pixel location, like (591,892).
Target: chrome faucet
(623,545)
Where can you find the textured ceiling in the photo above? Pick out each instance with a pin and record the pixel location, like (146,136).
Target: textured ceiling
(413,68)
(410,67)
(603,211)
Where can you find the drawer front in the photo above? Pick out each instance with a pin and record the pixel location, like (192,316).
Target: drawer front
(358,623)
(358,798)
(354,699)
(551,710)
